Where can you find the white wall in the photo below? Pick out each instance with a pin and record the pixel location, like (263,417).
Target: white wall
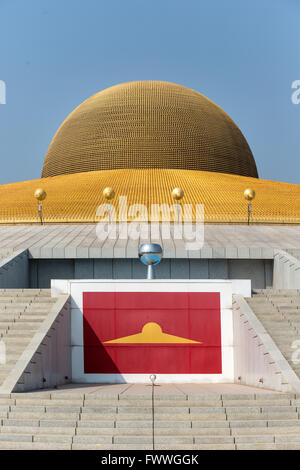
(226,288)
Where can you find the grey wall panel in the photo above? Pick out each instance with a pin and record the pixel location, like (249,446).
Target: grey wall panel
(122,269)
(217,269)
(139,270)
(54,269)
(14,271)
(253,269)
(102,268)
(83,269)
(43,270)
(180,269)
(198,268)
(33,273)
(163,269)
(269,272)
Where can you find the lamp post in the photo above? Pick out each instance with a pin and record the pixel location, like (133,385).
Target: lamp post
(40,195)
(249,195)
(150,254)
(109,194)
(152,377)
(177,195)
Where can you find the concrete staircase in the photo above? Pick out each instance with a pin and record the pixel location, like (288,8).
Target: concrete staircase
(58,419)
(72,420)
(21,313)
(279,312)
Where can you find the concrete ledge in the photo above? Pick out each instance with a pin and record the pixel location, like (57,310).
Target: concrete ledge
(178,250)
(29,355)
(67,241)
(269,345)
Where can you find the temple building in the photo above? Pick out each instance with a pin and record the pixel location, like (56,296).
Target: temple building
(104,295)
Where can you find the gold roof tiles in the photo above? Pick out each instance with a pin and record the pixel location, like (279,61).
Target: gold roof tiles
(74,198)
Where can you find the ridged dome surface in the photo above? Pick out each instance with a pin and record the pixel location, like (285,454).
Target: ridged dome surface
(76,198)
(140,125)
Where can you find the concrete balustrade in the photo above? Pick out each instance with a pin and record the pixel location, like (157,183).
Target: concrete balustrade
(39,354)
(257,359)
(286,274)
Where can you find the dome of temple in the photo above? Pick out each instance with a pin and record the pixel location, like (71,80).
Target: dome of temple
(149,124)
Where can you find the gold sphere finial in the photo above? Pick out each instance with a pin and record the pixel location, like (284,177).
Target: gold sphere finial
(40,194)
(177,194)
(109,193)
(249,194)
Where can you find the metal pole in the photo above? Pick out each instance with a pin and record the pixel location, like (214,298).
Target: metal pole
(249,212)
(40,209)
(153,416)
(150,272)
(178,212)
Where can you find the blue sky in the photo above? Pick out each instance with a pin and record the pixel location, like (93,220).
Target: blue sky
(244,55)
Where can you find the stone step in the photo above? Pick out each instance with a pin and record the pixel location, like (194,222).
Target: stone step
(49,416)
(26,300)
(33,291)
(4,326)
(16,437)
(262,416)
(19,323)
(277,291)
(19,422)
(276,324)
(275,431)
(270,446)
(77,406)
(12,356)
(267,311)
(32,318)
(13,333)
(23,402)
(260,402)
(13,349)
(170,431)
(37,430)
(6,319)
(271,317)
(14,308)
(113,447)
(17,341)
(34,446)
(31,303)
(4,368)
(286,340)
(25,325)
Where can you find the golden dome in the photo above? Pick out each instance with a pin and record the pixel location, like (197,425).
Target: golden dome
(144,124)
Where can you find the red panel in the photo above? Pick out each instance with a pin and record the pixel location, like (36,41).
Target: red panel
(193,315)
